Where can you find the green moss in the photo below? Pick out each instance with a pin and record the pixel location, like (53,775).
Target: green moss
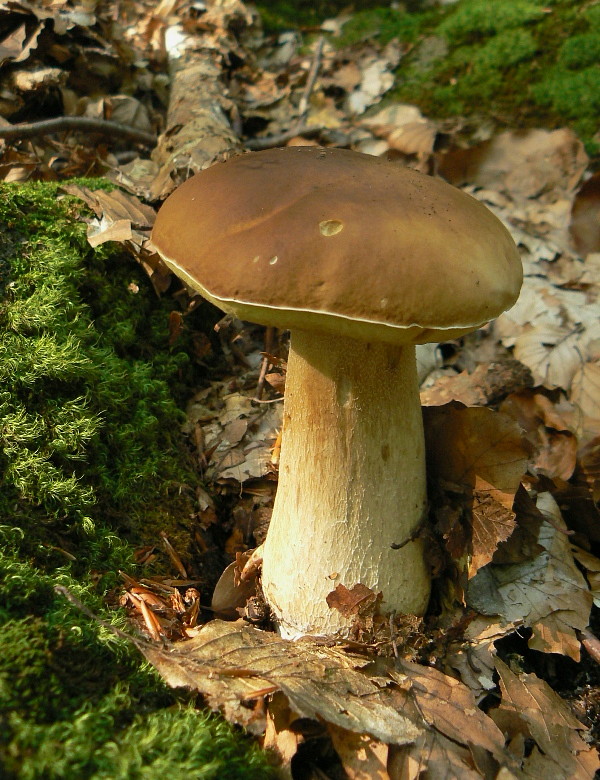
(532,63)
(89,448)
(580,51)
(383,23)
(476,19)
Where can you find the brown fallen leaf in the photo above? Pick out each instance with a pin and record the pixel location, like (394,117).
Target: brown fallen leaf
(362,757)
(554,444)
(466,443)
(433,756)
(531,707)
(525,163)
(488,384)
(585,217)
(280,737)
(547,593)
(357,600)
(450,708)
(483,454)
(230,663)
(493,523)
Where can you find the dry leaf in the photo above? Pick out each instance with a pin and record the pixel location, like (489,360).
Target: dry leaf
(362,757)
(481,451)
(230,593)
(591,564)
(466,443)
(547,431)
(450,707)
(585,217)
(357,600)
(553,353)
(585,390)
(548,593)
(279,736)
(434,757)
(530,705)
(231,662)
(493,523)
(525,163)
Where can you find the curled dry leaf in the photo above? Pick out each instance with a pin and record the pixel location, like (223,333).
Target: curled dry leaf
(488,384)
(554,444)
(466,443)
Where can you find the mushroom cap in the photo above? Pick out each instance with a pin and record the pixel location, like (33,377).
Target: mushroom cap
(337,241)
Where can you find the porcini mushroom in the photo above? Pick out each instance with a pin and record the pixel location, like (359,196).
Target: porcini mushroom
(361,259)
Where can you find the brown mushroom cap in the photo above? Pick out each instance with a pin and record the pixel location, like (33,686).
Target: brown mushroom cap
(337,241)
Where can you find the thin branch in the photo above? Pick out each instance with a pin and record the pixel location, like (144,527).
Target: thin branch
(310,81)
(299,127)
(62,123)
(270,141)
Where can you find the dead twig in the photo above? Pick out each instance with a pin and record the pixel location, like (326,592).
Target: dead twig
(278,139)
(81,123)
(299,127)
(310,82)
(591,643)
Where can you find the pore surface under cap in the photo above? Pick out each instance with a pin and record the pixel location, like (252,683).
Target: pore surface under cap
(333,239)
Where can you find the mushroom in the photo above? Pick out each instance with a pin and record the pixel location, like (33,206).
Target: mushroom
(361,259)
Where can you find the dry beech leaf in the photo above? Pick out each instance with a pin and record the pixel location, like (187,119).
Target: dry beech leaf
(523,163)
(280,737)
(466,443)
(553,353)
(548,432)
(232,662)
(585,390)
(591,564)
(450,708)
(585,217)
(531,707)
(481,451)
(357,600)
(547,593)
(493,522)
(362,757)
(433,756)
(229,592)
(488,383)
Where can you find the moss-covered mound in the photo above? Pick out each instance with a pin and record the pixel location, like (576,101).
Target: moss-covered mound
(90,464)
(521,62)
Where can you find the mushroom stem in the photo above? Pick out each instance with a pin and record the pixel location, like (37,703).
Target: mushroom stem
(351,483)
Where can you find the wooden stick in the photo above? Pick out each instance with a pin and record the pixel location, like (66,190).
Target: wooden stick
(62,123)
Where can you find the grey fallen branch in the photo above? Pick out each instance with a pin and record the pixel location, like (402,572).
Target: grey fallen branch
(81,123)
(279,139)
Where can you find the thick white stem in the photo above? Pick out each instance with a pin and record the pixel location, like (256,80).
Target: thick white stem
(351,483)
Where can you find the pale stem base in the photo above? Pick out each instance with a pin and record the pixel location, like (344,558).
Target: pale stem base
(351,483)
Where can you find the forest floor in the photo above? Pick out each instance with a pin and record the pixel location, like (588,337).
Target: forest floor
(140,429)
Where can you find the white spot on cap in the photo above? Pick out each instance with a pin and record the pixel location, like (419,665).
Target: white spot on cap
(383,303)
(330,227)
(273,260)
(256,258)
